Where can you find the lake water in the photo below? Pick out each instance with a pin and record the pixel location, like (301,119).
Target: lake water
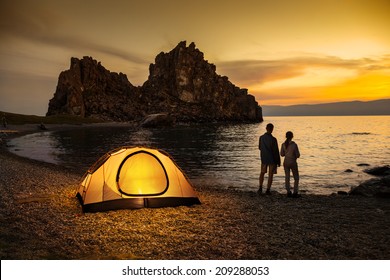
(228,156)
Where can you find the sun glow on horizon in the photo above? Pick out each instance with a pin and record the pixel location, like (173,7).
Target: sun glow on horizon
(363,79)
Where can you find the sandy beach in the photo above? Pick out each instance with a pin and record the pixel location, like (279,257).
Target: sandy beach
(42,219)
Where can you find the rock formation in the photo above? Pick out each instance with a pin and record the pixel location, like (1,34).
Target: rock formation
(87,89)
(181,84)
(188,87)
(379,170)
(379,187)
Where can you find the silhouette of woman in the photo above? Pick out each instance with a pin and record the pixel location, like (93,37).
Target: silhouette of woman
(290,152)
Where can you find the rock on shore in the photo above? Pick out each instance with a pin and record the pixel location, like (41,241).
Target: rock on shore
(379,187)
(379,171)
(158,120)
(181,83)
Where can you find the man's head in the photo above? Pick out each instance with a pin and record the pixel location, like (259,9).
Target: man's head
(270,127)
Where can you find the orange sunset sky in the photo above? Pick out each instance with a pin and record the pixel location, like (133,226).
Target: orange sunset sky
(284,52)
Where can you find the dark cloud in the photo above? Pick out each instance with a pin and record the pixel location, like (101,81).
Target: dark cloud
(75,43)
(45,26)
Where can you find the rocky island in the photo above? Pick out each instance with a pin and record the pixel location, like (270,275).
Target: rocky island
(181,85)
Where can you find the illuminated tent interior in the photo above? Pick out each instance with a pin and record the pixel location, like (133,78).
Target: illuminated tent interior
(135,177)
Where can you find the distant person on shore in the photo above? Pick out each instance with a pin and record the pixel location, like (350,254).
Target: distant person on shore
(4,121)
(42,127)
(270,159)
(290,152)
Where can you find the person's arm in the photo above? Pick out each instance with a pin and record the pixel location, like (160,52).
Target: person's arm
(297,153)
(260,143)
(283,150)
(276,152)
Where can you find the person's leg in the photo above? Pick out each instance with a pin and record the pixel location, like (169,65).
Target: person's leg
(271,172)
(296,178)
(269,184)
(261,177)
(261,180)
(287,179)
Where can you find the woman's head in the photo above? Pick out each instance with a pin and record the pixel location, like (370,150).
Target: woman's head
(289,135)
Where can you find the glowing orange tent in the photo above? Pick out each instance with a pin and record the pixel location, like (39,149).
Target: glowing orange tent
(135,177)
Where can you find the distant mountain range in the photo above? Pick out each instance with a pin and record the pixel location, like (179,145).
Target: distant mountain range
(353,108)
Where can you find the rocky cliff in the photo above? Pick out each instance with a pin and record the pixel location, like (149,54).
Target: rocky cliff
(181,83)
(87,89)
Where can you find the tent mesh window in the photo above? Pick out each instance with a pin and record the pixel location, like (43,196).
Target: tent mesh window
(142,173)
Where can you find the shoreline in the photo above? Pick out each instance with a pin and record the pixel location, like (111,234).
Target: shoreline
(22,129)
(18,130)
(42,219)
(313,186)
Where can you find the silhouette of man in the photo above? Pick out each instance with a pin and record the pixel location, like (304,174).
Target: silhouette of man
(270,158)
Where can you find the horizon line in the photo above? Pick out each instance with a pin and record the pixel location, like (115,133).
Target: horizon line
(325,103)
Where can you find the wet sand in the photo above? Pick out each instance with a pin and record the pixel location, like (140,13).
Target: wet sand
(42,219)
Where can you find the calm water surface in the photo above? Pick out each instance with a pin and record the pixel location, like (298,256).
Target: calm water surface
(228,156)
